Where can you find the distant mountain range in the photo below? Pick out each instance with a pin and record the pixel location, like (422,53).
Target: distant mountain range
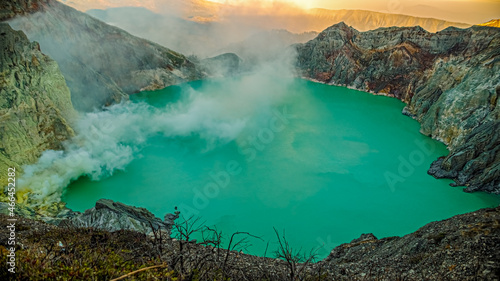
(368,20)
(493,23)
(198,10)
(290,18)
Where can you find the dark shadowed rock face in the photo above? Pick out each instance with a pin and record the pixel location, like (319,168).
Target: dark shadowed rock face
(450,81)
(35,103)
(113,216)
(102,64)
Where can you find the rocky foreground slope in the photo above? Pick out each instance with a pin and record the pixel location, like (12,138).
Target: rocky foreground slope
(35,103)
(101,63)
(464,247)
(450,81)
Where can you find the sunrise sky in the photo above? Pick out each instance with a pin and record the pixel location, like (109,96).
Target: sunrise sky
(468,11)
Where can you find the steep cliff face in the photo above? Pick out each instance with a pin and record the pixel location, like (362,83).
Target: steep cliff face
(450,81)
(101,63)
(35,103)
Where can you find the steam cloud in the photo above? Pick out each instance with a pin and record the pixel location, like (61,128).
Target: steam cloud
(109,140)
(247,29)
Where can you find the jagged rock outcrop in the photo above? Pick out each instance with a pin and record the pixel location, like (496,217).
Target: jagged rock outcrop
(113,216)
(450,81)
(102,64)
(35,103)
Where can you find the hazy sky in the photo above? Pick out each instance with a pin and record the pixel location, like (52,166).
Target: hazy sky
(468,11)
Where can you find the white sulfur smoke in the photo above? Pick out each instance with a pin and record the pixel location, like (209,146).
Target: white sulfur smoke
(109,140)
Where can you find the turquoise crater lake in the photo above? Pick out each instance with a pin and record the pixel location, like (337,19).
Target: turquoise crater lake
(324,163)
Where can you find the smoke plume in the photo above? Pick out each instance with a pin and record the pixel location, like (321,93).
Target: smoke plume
(109,140)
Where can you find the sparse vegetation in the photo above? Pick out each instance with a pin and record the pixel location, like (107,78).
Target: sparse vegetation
(47,252)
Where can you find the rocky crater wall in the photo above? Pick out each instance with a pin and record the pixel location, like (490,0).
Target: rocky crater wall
(35,103)
(450,81)
(102,64)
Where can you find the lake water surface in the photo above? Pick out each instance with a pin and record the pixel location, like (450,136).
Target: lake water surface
(324,163)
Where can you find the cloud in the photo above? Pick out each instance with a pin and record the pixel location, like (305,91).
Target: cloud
(109,140)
